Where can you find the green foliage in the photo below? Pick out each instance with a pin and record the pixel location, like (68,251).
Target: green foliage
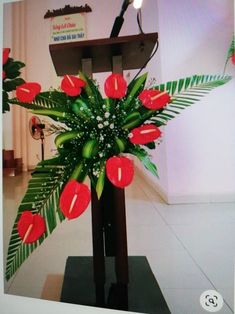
(101,180)
(95,130)
(91,91)
(185,93)
(10,85)
(151,145)
(12,68)
(231,49)
(12,71)
(53,100)
(42,196)
(66,136)
(230,52)
(143,156)
(134,88)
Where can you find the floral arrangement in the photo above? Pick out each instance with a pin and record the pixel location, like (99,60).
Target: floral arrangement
(10,77)
(97,136)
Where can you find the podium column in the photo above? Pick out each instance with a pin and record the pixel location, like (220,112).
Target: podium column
(109,229)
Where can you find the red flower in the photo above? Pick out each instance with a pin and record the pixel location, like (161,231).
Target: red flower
(154,99)
(74,199)
(71,85)
(115,86)
(144,134)
(3,75)
(5,55)
(233,59)
(120,171)
(30,227)
(27,91)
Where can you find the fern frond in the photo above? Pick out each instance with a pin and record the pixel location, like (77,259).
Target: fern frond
(54,100)
(230,53)
(184,93)
(42,196)
(231,49)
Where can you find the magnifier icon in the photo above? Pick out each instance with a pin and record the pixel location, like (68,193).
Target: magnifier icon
(212,301)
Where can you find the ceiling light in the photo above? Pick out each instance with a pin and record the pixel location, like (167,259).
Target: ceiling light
(137,4)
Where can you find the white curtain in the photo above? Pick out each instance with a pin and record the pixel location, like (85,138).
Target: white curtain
(20,115)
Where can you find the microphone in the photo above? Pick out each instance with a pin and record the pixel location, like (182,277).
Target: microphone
(119,19)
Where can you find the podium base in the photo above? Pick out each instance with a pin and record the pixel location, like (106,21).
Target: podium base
(141,295)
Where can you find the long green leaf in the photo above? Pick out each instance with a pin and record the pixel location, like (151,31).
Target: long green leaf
(91,90)
(100,181)
(134,88)
(66,136)
(143,156)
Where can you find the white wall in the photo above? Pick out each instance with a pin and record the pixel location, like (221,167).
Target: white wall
(200,152)
(196,158)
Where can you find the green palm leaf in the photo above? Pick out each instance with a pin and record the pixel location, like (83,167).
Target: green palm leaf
(230,53)
(42,197)
(184,93)
(54,100)
(231,49)
(144,157)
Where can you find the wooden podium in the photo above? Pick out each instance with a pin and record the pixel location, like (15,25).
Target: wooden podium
(110,279)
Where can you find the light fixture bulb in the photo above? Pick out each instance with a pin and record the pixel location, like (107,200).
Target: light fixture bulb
(137,4)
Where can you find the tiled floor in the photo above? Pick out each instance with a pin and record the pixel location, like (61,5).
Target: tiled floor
(190,248)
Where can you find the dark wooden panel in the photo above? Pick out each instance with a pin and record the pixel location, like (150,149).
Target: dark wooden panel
(135,51)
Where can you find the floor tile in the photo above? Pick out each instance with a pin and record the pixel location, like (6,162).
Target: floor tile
(207,236)
(186,301)
(194,214)
(176,270)
(52,287)
(218,265)
(141,212)
(151,238)
(228,296)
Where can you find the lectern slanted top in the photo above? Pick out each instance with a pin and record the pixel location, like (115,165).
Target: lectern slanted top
(135,51)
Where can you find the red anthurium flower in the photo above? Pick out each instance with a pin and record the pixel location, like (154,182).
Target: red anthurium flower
(144,134)
(30,226)
(74,199)
(115,86)
(3,75)
(154,99)
(5,55)
(233,58)
(28,91)
(71,85)
(120,171)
